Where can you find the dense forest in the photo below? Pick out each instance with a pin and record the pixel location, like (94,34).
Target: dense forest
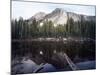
(22,29)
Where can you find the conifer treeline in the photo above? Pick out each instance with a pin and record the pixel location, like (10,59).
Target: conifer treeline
(22,29)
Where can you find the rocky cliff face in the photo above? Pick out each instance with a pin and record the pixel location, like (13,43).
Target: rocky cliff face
(60,16)
(38,16)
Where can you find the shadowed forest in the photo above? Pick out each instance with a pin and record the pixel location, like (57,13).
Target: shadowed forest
(22,29)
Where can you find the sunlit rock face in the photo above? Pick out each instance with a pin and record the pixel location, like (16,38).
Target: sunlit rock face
(60,16)
(38,16)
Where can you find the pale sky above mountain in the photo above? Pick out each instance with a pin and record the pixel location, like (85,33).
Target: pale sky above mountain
(28,9)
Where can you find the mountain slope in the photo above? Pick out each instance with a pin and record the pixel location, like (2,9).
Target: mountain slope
(60,16)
